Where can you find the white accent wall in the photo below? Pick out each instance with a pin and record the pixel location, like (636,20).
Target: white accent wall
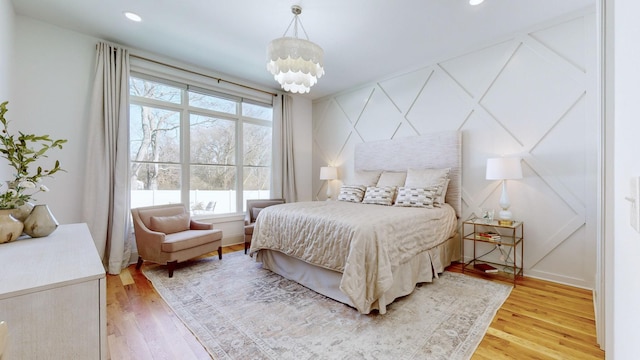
(530,95)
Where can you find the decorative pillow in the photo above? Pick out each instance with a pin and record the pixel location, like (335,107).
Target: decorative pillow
(392,178)
(366,177)
(417,197)
(254,212)
(379,195)
(169,224)
(352,193)
(424,178)
(443,192)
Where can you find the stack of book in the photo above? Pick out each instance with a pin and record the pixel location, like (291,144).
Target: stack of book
(490,236)
(485,267)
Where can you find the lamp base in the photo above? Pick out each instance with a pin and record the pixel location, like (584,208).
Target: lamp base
(505,215)
(329,192)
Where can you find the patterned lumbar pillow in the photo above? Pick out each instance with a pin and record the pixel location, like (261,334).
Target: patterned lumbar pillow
(352,193)
(379,195)
(417,197)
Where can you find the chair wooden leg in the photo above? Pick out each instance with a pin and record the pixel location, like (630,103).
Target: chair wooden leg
(220,252)
(246,246)
(139,264)
(171,265)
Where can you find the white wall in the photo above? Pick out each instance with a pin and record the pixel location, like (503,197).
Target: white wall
(51,88)
(531,95)
(53,70)
(7,25)
(7,17)
(623,248)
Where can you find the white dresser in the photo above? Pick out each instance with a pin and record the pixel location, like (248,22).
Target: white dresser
(53,296)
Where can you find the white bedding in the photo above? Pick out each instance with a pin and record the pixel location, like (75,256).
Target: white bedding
(363,242)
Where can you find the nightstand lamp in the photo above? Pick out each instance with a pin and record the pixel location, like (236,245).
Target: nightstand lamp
(504,169)
(328,173)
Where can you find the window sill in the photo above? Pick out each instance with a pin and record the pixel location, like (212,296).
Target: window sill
(221,218)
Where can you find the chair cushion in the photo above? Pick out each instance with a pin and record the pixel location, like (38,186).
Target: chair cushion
(189,239)
(259,204)
(146,213)
(170,224)
(255,212)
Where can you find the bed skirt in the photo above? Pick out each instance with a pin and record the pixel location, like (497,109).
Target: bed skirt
(424,267)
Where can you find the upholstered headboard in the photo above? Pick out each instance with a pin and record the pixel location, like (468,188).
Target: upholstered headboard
(435,150)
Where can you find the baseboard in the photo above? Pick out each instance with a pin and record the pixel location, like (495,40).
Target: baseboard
(233,240)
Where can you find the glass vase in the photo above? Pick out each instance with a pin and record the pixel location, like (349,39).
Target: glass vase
(40,222)
(10,228)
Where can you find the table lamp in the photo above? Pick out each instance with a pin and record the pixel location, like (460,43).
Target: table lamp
(328,173)
(504,169)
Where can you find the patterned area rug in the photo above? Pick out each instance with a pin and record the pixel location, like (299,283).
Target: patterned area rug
(240,311)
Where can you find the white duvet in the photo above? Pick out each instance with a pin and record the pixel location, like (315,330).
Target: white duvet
(364,242)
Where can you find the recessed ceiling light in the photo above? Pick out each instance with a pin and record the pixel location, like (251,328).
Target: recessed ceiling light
(132,16)
(475,2)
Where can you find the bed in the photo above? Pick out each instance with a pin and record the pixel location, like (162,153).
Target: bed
(364,254)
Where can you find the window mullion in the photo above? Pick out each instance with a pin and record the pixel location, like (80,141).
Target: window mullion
(239,160)
(185,151)
(204,166)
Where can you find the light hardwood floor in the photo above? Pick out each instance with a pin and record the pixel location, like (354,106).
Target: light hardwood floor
(539,320)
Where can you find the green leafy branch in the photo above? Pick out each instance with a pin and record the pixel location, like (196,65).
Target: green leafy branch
(22,151)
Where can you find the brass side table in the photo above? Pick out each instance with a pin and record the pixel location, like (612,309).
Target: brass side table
(511,236)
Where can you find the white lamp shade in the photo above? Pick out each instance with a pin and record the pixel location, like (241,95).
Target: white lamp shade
(328,173)
(504,168)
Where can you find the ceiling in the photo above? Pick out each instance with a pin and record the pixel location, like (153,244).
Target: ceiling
(363,40)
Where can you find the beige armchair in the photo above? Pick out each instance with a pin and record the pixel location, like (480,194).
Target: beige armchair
(253,209)
(165,234)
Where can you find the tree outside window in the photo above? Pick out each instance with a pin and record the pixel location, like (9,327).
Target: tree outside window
(178,136)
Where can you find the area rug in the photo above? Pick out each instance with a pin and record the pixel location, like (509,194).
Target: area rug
(240,311)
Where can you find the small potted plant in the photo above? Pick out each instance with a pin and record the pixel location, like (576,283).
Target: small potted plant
(22,151)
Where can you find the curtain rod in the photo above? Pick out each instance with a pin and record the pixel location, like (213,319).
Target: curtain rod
(205,75)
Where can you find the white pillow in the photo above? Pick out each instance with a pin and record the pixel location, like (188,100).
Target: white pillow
(422,178)
(392,178)
(443,192)
(366,177)
(379,195)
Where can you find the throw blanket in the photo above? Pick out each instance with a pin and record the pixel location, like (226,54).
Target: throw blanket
(364,242)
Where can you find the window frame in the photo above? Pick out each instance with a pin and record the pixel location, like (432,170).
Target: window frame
(185,111)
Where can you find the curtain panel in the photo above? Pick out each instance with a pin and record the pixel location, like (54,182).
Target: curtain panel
(106,193)
(283,179)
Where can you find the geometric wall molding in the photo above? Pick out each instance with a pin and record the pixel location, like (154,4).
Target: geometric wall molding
(525,96)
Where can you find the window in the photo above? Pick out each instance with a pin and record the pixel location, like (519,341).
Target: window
(199,147)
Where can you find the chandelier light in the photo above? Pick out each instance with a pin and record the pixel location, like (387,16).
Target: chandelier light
(295,63)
